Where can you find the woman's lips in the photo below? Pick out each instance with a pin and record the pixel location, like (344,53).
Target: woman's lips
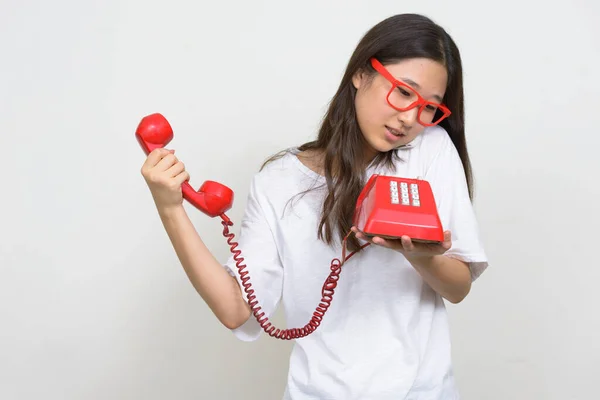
(394,133)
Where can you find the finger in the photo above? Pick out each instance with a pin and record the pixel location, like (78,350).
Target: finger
(407,244)
(167,162)
(356,231)
(447,236)
(447,240)
(182,177)
(382,242)
(154,157)
(362,236)
(176,169)
(359,235)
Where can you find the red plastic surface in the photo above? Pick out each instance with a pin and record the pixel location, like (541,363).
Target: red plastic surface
(213,198)
(376,215)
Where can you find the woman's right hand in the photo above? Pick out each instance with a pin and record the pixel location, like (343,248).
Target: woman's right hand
(164,174)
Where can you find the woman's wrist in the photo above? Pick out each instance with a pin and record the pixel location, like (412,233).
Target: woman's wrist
(171,212)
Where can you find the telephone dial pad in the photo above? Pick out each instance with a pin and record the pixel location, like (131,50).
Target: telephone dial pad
(404,195)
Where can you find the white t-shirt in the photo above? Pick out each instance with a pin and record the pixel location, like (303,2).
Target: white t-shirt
(386,334)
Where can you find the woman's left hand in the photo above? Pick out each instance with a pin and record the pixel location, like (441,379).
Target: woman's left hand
(410,249)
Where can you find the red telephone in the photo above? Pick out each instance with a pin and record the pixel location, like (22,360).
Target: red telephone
(390,207)
(379,211)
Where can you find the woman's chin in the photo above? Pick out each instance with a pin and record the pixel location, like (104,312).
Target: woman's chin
(384,146)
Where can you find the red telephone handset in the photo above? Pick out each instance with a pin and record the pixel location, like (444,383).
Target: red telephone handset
(213,198)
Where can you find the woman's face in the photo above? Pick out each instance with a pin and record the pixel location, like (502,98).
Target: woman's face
(385,128)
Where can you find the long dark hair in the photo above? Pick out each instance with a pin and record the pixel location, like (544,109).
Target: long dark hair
(340,139)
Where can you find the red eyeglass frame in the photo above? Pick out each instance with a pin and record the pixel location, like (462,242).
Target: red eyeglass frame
(421,102)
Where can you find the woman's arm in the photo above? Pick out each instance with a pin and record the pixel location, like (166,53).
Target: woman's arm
(449,277)
(165,174)
(211,280)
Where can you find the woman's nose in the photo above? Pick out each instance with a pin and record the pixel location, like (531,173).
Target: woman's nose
(409,117)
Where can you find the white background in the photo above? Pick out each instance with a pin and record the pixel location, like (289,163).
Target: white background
(93,302)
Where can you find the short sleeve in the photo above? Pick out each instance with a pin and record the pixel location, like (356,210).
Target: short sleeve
(260,255)
(447,179)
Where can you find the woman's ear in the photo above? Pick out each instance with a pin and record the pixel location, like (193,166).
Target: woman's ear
(358,79)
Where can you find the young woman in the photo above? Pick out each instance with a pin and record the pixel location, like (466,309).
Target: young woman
(398,111)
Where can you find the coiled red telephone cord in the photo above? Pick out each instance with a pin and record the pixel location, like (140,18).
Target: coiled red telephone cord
(326,293)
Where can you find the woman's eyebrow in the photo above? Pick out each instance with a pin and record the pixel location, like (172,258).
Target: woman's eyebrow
(418,87)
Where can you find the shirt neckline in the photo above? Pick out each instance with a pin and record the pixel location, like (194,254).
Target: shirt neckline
(307,171)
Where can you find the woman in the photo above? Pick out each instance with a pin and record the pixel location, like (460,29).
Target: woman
(398,111)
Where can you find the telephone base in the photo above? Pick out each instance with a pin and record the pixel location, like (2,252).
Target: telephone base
(391,207)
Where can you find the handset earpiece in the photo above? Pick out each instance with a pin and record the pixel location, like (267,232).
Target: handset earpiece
(154,131)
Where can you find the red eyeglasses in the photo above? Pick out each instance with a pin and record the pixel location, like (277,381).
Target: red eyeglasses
(403,97)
